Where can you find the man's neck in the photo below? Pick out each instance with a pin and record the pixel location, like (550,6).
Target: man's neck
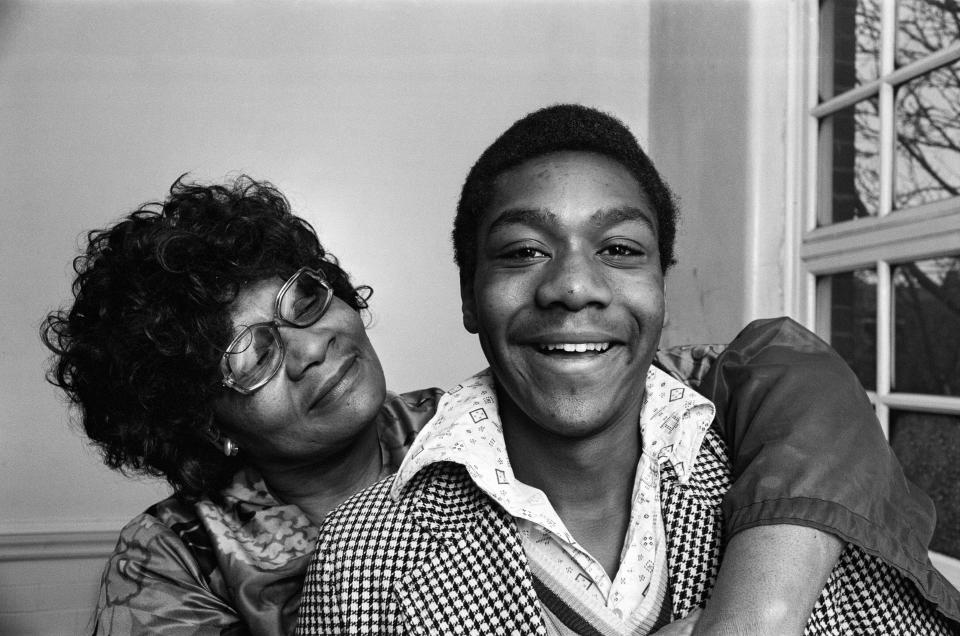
(589,481)
(319,486)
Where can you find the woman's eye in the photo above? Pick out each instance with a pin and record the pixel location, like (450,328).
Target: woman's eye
(304,306)
(262,356)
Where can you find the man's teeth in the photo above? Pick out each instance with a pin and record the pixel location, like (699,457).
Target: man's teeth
(576,347)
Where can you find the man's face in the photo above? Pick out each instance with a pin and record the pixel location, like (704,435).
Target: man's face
(567,297)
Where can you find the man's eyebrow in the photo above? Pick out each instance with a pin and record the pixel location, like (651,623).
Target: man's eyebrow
(524,216)
(610,216)
(545,218)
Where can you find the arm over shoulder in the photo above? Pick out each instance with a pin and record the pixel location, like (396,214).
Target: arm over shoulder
(807,450)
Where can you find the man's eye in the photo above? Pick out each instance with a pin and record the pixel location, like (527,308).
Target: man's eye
(523,253)
(620,251)
(624,254)
(528,252)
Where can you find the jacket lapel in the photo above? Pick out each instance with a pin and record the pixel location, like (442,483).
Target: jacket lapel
(473,575)
(693,522)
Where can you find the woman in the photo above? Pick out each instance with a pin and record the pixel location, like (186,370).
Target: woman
(173,352)
(212,341)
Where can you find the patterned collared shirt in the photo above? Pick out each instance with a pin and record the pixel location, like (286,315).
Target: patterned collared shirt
(467,430)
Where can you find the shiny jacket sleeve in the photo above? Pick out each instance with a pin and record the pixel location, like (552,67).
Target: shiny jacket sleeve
(152,584)
(807,449)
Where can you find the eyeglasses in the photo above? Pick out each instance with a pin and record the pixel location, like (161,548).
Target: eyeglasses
(256,354)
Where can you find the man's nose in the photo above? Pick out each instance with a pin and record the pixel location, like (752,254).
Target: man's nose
(305,346)
(573,280)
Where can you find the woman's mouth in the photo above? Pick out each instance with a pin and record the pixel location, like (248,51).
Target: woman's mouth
(335,383)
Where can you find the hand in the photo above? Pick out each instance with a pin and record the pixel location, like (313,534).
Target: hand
(682,627)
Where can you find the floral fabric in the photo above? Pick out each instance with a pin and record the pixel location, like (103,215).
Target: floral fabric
(231,565)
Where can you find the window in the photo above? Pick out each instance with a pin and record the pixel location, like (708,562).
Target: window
(880,255)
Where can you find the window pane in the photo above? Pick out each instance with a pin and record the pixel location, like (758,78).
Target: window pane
(927,327)
(928,446)
(924,27)
(849,44)
(852,301)
(849,164)
(928,138)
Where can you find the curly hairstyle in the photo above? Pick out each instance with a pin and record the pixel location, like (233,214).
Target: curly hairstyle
(553,129)
(139,350)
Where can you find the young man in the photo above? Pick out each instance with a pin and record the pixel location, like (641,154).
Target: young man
(575,488)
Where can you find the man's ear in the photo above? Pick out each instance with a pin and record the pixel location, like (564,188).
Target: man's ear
(468,305)
(666,307)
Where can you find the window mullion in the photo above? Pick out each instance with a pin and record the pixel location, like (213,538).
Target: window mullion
(887,148)
(885,319)
(888,37)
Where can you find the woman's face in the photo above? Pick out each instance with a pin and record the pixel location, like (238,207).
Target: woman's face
(327,391)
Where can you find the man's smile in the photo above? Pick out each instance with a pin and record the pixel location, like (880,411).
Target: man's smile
(574,347)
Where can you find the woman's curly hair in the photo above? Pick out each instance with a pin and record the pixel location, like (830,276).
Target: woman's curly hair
(139,350)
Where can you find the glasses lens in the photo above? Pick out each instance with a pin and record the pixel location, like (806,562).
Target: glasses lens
(305,300)
(254,356)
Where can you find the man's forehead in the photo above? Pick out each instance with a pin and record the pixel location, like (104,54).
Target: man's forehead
(542,167)
(518,190)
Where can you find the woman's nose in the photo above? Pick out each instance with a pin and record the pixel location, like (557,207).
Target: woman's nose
(573,281)
(305,346)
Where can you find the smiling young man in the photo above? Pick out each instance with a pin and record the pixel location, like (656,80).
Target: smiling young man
(575,487)
(567,299)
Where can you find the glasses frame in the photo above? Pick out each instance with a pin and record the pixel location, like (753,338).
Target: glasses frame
(274,327)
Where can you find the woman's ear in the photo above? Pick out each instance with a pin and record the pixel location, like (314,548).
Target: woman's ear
(211,432)
(221,442)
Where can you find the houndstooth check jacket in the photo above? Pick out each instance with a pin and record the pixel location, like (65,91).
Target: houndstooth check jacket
(445,559)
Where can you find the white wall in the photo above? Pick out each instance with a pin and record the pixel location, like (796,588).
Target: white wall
(368,115)
(724,115)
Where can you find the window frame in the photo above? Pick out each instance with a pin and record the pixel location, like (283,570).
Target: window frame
(878,242)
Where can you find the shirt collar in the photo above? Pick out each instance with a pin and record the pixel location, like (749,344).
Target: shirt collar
(472,403)
(673,421)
